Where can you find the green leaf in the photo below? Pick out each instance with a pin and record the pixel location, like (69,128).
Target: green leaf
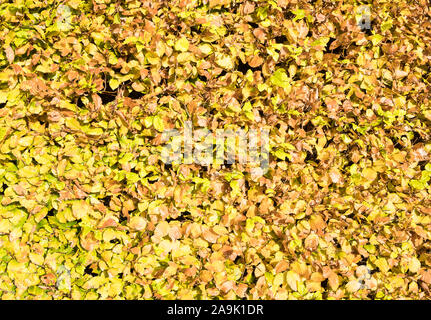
(280,78)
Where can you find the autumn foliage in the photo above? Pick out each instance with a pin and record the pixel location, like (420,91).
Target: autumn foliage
(88,210)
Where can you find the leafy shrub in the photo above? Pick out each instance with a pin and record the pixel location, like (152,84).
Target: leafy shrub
(90,211)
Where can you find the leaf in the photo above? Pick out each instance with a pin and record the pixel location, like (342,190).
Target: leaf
(138,223)
(80,209)
(292,280)
(158,124)
(353,286)
(182,44)
(370,174)
(417,184)
(10,55)
(73,124)
(382,264)
(414,265)
(114,83)
(280,78)
(387,25)
(224,61)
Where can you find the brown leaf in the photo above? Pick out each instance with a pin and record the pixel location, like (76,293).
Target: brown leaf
(10,55)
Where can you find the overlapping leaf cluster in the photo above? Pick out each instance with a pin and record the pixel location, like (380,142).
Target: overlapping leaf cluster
(89,210)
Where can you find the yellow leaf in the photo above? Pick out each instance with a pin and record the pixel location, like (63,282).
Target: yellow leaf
(80,209)
(414,265)
(138,223)
(73,124)
(382,264)
(369,174)
(162,229)
(206,49)
(36,258)
(353,286)
(224,61)
(292,279)
(158,123)
(182,44)
(114,83)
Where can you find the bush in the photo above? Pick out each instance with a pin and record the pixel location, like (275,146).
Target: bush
(338,209)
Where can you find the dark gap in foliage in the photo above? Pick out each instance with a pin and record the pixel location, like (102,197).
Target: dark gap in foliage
(217,11)
(90,271)
(135,95)
(324,104)
(150,175)
(79,103)
(311,156)
(186,215)
(368,31)
(281,39)
(387,84)
(228,165)
(422,164)
(202,78)
(51,212)
(338,50)
(308,127)
(107,97)
(324,284)
(253,25)
(106,200)
(2,105)
(244,67)
(349,163)
(223,73)
(153,181)
(328,142)
(328,44)
(78,228)
(195,28)
(336,243)
(116,241)
(122,218)
(417,138)
(288,14)
(396,143)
